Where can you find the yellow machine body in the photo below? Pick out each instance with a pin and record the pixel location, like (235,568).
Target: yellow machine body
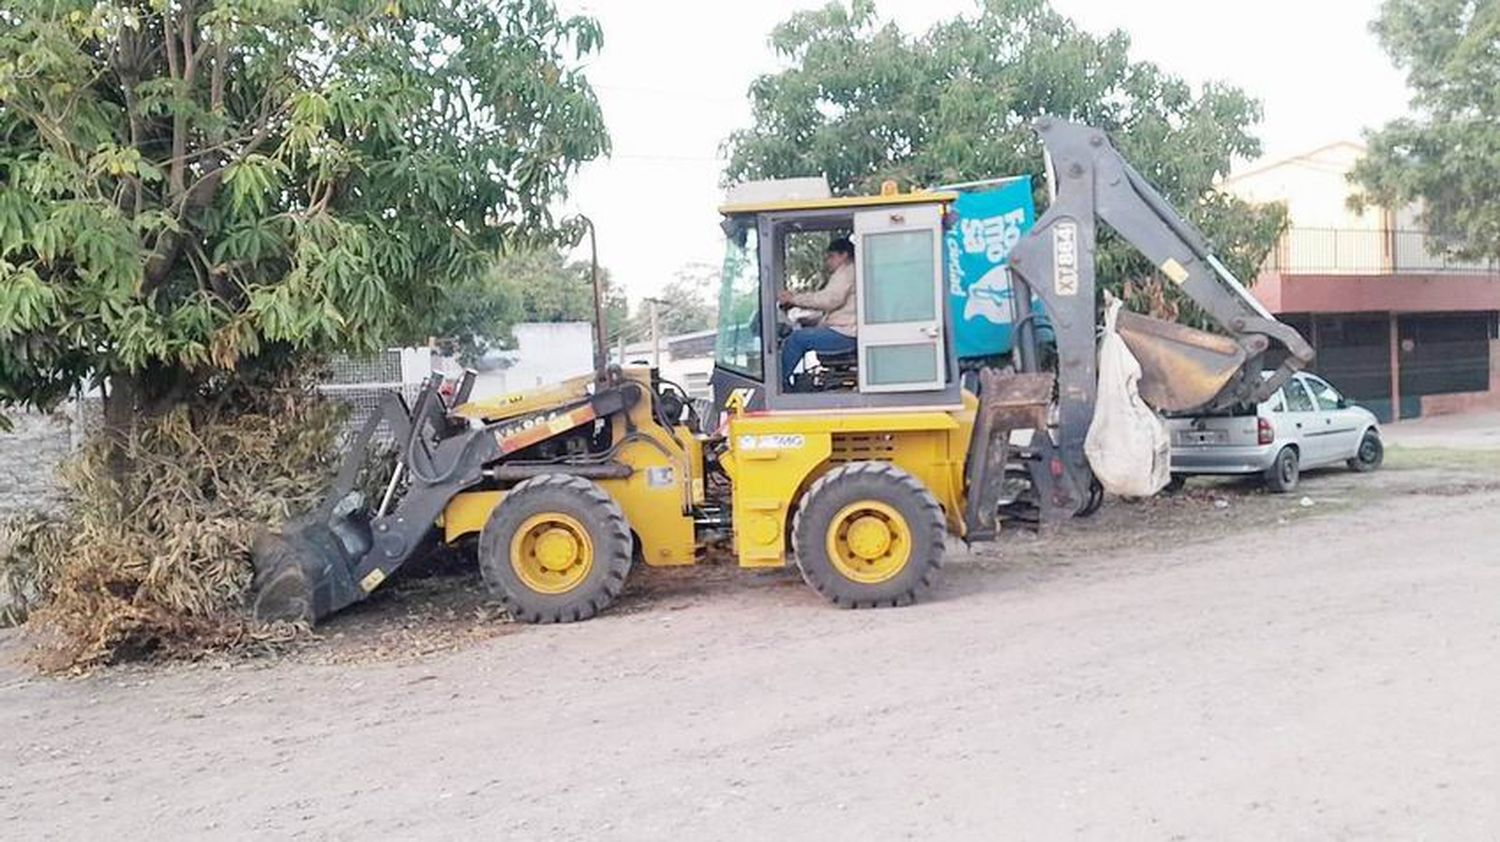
(772,458)
(665,482)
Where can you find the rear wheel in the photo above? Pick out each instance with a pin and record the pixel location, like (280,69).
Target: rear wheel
(868,534)
(1370,455)
(1175,484)
(1282,476)
(556,549)
(1095,501)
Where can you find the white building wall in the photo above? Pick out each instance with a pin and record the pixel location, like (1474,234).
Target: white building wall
(1315,188)
(544,354)
(691,373)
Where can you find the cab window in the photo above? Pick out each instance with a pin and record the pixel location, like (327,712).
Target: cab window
(737,347)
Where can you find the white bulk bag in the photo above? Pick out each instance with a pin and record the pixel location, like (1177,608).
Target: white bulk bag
(1127,445)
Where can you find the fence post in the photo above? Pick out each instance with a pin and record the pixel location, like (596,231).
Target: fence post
(1395,368)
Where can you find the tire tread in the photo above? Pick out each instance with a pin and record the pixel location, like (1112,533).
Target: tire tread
(617,560)
(830,586)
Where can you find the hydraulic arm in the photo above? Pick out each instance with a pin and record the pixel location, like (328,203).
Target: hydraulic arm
(1183,368)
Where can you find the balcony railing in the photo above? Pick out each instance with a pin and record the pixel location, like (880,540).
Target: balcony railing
(1353,251)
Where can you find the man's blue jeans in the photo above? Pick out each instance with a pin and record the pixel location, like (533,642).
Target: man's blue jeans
(820,339)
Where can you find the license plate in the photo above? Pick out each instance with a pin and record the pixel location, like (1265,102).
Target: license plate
(1202,437)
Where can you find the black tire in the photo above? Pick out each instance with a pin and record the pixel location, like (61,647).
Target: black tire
(582,503)
(1095,500)
(1371,453)
(1175,484)
(884,485)
(1282,476)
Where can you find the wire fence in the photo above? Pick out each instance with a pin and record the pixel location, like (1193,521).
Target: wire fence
(360,383)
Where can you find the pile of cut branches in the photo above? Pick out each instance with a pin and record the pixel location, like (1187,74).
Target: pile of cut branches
(151,555)
(31,547)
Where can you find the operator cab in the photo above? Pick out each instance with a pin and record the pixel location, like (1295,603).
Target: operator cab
(776,234)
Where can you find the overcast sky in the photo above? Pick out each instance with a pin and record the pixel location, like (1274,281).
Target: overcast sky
(674,73)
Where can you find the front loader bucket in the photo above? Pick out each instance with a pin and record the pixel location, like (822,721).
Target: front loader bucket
(303,573)
(1182,368)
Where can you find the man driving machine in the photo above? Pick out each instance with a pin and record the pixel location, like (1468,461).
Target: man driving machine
(834,333)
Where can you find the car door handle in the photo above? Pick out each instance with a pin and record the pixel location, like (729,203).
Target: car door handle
(930,331)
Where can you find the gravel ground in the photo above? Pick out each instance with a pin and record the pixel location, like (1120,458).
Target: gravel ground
(1221,664)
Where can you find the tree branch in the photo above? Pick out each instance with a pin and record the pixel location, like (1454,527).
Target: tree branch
(216,83)
(192,200)
(176,174)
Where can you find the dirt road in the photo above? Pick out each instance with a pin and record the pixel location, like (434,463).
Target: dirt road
(1336,676)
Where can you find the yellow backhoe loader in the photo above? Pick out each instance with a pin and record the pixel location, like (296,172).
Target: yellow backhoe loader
(855,471)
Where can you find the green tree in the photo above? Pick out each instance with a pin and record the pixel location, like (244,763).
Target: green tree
(685,304)
(862,101)
(536,284)
(190,189)
(1447,157)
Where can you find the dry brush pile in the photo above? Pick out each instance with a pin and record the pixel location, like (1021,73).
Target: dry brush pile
(150,557)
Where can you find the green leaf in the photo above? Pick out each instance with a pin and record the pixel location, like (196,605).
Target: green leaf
(369,164)
(1446,157)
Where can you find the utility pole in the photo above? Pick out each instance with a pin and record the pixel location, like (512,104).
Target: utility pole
(655,332)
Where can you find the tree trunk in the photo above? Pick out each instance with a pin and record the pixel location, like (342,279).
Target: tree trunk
(120,413)
(120,404)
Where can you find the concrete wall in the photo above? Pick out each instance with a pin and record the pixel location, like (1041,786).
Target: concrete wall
(1311,293)
(1314,187)
(30,455)
(544,354)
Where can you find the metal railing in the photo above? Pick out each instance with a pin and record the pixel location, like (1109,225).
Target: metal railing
(1355,251)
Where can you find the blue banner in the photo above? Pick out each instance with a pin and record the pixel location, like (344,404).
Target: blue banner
(990,223)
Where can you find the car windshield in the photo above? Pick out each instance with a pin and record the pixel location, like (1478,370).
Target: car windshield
(738,345)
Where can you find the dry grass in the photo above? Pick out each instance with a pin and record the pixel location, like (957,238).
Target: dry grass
(153,559)
(31,548)
(1477,461)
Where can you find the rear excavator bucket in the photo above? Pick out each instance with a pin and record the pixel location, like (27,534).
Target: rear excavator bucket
(1183,368)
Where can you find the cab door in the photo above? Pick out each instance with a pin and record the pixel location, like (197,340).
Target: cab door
(898,264)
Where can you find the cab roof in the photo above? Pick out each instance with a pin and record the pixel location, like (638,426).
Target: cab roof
(919,197)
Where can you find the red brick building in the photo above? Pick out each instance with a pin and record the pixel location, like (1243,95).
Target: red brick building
(1398,327)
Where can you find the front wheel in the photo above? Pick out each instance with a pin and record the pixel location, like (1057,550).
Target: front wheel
(556,549)
(1281,477)
(1370,455)
(867,535)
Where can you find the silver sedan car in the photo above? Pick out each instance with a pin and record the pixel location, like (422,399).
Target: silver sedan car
(1306,424)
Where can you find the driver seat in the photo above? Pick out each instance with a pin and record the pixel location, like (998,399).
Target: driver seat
(838,371)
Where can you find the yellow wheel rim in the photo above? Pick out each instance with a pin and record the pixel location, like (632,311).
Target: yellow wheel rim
(869,542)
(551,553)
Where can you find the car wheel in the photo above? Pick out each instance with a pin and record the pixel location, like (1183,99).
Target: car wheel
(1370,455)
(1281,477)
(1175,484)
